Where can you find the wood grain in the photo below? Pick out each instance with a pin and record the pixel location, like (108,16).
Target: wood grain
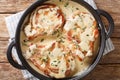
(3,28)
(23,4)
(114,56)
(7,6)
(105,72)
(3,49)
(7,72)
(109,66)
(13,6)
(112,7)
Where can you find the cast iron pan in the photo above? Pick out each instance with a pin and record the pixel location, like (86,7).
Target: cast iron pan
(104,35)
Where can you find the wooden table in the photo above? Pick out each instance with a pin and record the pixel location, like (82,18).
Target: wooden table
(107,69)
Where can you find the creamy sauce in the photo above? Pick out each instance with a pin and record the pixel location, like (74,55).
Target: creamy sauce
(67,7)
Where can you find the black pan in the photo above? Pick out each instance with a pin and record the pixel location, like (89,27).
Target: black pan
(104,35)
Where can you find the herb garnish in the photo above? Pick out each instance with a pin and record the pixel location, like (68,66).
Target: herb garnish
(68,60)
(77,8)
(66,4)
(49,53)
(55,32)
(55,61)
(24,43)
(87,35)
(62,70)
(42,40)
(56,65)
(84,28)
(45,59)
(75,28)
(58,61)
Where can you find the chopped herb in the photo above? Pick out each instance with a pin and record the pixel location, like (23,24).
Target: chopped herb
(62,37)
(24,43)
(62,70)
(66,4)
(58,61)
(81,63)
(77,8)
(75,28)
(52,64)
(58,35)
(29,50)
(61,40)
(83,28)
(54,61)
(38,26)
(68,60)
(42,40)
(49,52)
(54,32)
(45,60)
(87,35)
(77,46)
(40,58)
(56,65)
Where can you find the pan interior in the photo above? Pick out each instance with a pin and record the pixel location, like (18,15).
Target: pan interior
(67,7)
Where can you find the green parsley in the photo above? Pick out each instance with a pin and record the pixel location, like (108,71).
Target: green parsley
(75,28)
(24,43)
(45,59)
(68,60)
(77,8)
(66,4)
(58,61)
(83,28)
(56,65)
(42,40)
(55,61)
(62,70)
(49,53)
(87,35)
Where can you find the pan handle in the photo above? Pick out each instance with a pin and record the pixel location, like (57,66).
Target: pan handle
(10,58)
(110,21)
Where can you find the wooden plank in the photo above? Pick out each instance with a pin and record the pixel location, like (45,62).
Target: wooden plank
(7,72)
(112,7)
(23,4)
(3,28)
(105,72)
(13,6)
(114,56)
(3,49)
(7,6)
